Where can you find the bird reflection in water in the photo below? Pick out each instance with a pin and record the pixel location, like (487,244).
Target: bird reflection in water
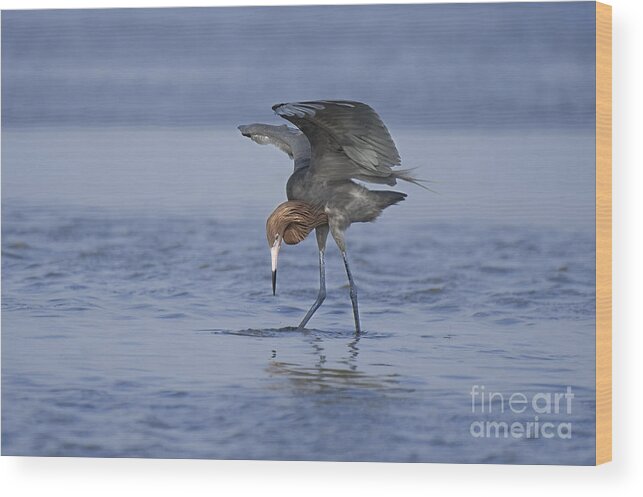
(321,376)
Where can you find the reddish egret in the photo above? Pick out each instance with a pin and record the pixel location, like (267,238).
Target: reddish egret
(337,142)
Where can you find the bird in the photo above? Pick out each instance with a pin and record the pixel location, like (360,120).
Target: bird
(335,144)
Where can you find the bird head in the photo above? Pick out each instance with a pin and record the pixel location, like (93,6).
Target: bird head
(290,222)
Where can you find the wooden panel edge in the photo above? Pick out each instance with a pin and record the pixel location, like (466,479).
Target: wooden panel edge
(603,233)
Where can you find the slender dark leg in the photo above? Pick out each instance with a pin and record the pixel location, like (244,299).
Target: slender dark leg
(320,296)
(353,293)
(321,232)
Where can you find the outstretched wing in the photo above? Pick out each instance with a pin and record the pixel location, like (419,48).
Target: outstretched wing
(290,140)
(348,139)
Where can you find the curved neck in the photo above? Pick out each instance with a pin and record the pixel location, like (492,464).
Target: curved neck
(303,219)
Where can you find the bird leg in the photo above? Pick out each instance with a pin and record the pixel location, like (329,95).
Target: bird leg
(322,292)
(321,232)
(353,293)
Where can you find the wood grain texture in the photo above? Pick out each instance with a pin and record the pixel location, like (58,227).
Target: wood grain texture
(603,233)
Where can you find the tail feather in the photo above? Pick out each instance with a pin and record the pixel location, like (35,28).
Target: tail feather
(387,198)
(406,175)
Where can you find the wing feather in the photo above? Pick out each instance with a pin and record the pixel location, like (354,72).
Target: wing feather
(289,140)
(348,139)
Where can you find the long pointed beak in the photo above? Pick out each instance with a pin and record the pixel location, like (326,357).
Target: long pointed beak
(274,254)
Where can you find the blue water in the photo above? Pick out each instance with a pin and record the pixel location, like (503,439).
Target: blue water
(138,320)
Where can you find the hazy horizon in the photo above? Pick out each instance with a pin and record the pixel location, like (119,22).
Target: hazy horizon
(433,66)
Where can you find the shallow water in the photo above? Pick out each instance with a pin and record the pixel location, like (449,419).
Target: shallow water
(138,318)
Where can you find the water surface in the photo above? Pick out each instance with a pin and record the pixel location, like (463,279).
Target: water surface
(138,320)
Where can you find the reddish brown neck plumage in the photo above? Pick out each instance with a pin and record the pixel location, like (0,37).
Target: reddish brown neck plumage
(294,220)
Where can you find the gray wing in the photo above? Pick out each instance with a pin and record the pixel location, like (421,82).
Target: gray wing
(348,140)
(290,140)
